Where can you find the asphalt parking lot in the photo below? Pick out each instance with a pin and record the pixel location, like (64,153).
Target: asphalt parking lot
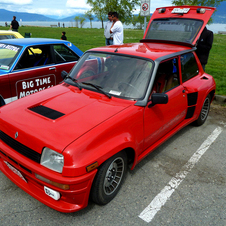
(180,183)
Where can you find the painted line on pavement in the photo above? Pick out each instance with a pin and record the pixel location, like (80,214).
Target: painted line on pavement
(152,209)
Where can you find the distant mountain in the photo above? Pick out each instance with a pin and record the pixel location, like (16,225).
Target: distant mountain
(218,17)
(6,15)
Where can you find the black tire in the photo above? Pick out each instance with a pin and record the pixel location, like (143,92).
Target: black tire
(204,112)
(109,179)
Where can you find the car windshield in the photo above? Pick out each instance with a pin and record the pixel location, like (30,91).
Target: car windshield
(8,54)
(179,30)
(114,75)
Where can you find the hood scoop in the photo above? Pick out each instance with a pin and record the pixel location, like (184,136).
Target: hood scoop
(47,112)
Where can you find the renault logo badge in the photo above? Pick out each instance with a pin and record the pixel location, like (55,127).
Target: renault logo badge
(16,135)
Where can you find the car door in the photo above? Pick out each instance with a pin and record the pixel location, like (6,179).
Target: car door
(5,87)
(39,68)
(34,71)
(161,118)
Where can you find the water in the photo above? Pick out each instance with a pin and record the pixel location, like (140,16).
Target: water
(96,24)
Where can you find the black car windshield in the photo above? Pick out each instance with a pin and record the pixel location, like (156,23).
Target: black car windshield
(113,75)
(174,29)
(8,54)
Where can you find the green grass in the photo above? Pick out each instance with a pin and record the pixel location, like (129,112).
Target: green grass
(87,38)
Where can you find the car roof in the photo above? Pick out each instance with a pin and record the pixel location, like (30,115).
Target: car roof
(151,51)
(7,32)
(169,23)
(33,41)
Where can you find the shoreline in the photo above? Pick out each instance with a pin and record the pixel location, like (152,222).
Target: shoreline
(215,27)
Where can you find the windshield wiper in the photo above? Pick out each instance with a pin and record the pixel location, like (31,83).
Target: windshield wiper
(99,88)
(75,82)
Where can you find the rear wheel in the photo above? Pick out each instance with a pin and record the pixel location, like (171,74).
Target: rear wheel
(204,112)
(109,179)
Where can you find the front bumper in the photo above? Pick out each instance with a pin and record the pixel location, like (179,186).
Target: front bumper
(71,200)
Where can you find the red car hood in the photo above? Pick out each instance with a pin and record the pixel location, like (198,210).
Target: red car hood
(59,120)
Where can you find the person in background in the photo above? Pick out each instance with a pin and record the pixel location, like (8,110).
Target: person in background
(204,46)
(63,37)
(14,24)
(116,29)
(108,36)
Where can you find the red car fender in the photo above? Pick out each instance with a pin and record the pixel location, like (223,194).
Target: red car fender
(100,143)
(201,98)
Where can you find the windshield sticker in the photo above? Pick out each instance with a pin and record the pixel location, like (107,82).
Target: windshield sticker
(180,10)
(4,67)
(29,86)
(10,47)
(115,92)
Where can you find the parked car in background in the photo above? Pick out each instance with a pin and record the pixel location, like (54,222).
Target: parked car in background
(29,65)
(75,141)
(4,34)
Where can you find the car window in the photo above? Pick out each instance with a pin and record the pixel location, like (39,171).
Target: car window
(8,54)
(122,76)
(189,67)
(64,54)
(7,37)
(35,56)
(174,29)
(167,76)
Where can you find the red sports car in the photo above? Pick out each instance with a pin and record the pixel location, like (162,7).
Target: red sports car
(75,141)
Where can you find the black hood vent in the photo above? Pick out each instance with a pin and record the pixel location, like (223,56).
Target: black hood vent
(47,112)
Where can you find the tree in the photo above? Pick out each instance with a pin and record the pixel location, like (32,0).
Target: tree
(77,18)
(138,21)
(212,3)
(89,15)
(124,8)
(82,21)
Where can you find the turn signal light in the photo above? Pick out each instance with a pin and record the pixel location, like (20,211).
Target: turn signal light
(58,185)
(92,167)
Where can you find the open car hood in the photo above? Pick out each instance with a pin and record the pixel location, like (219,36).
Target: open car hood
(180,24)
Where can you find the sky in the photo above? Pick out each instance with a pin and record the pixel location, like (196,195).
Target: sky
(60,8)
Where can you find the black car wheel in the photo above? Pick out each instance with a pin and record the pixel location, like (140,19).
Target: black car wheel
(109,179)
(204,112)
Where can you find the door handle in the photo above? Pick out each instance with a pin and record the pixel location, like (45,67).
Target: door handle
(52,68)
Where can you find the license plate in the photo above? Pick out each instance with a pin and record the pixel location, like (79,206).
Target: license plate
(17,172)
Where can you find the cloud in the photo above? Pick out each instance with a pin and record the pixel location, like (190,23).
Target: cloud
(77,4)
(17,2)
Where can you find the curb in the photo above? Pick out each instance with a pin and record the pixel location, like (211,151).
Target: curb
(218,99)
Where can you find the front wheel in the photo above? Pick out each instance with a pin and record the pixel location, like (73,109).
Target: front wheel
(204,112)
(109,179)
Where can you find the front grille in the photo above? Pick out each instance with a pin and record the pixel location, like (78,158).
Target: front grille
(20,148)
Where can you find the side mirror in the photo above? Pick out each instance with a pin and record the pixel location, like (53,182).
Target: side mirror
(63,74)
(158,98)
(2,102)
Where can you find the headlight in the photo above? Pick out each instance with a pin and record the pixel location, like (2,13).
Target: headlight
(52,160)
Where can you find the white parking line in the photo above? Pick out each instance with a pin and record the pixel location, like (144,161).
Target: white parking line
(152,209)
